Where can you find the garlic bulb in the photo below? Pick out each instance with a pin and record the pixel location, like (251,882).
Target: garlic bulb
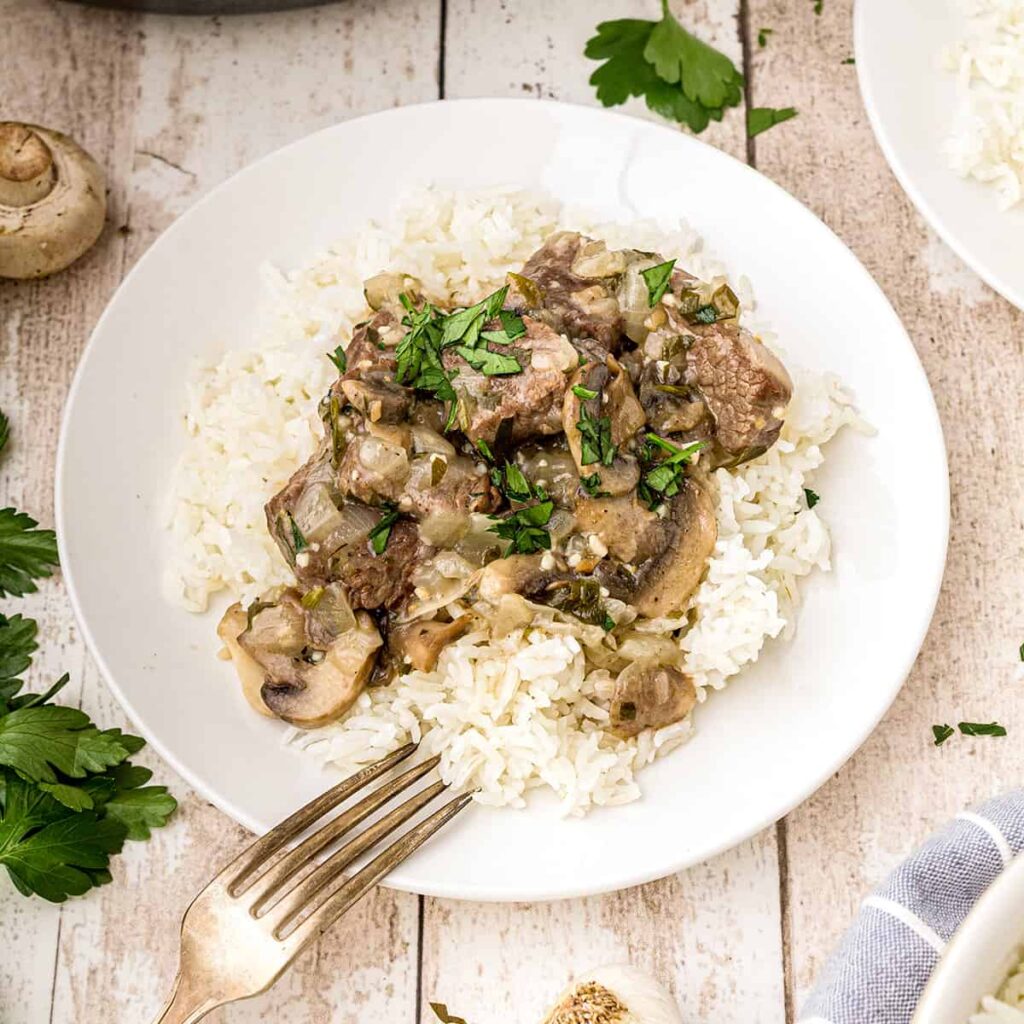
(617,994)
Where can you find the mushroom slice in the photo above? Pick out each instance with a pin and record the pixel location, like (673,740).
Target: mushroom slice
(315,693)
(671,555)
(250,672)
(519,574)
(620,524)
(650,697)
(377,397)
(419,644)
(614,408)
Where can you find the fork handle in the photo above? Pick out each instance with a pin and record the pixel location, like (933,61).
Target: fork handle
(185,1005)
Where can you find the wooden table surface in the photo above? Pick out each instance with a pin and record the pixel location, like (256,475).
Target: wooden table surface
(173,106)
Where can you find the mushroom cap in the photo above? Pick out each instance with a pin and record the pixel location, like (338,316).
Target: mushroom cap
(250,672)
(52,201)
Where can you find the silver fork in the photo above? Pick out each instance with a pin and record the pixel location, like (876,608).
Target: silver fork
(242,931)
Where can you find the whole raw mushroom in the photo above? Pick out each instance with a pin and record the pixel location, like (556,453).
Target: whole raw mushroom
(52,201)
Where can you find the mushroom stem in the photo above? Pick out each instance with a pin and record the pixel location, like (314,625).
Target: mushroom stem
(27,173)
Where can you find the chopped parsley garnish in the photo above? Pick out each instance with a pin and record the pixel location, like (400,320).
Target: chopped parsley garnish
(760,119)
(819,6)
(608,623)
(525,528)
(850,60)
(591,483)
(512,483)
(381,533)
(657,280)
(942,733)
(981,729)
(585,393)
(490,364)
(1020,651)
(762,36)
(812,497)
(680,77)
(485,449)
(299,542)
(664,478)
(339,359)
(442,1014)
(596,439)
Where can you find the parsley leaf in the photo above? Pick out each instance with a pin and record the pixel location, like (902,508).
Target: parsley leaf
(595,439)
(942,733)
(485,449)
(512,324)
(381,533)
(339,359)
(665,478)
(491,364)
(657,280)
(123,795)
(981,729)
(585,393)
(812,497)
(38,741)
(17,644)
(513,484)
(1020,651)
(849,60)
(442,1014)
(626,72)
(762,36)
(299,542)
(591,483)
(760,119)
(706,75)
(26,553)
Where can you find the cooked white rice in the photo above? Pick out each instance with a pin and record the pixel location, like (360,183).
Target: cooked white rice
(1007,1006)
(986,141)
(525,710)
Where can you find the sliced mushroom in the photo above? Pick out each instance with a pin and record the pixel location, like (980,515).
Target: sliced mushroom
(650,697)
(419,644)
(52,201)
(620,523)
(519,574)
(249,670)
(383,290)
(616,401)
(670,555)
(378,397)
(315,692)
(670,404)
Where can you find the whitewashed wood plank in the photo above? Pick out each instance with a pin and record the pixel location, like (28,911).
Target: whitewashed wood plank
(42,325)
(145,95)
(899,786)
(712,933)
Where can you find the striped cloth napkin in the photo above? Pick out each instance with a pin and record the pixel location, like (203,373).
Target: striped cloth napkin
(884,960)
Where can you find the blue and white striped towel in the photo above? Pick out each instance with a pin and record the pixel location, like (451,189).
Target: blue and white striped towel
(879,971)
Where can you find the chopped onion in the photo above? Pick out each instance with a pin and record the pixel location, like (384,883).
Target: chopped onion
(596,261)
(427,441)
(356,522)
(315,513)
(389,460)
(444,529)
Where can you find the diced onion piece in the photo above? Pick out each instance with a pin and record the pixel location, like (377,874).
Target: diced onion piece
(430,442)
(332,613)
(596,261)
(356,523)
(315,513)
(389,460)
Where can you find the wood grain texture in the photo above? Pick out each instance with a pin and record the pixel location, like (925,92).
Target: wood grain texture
(843,840)
(171,107)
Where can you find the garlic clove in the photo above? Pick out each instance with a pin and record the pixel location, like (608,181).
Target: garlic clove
(615,994)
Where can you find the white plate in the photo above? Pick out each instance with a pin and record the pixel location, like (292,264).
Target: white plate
(909,100)
(763,745)
(979,958)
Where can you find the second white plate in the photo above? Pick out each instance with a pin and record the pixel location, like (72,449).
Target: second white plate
(909,101)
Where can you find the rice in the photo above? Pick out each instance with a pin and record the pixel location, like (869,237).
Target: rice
(1007,1006)
(986,141)
(526,709)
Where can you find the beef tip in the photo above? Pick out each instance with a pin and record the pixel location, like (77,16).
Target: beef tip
(372,347)
(376,396)
(570,283)
(744,385)
(384,580)
(531,400)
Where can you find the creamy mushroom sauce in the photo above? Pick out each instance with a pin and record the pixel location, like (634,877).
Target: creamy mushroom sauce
(549,446)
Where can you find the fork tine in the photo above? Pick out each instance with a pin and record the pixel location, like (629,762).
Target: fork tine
(239,870)
(316,881)
(354,888)
(275,883)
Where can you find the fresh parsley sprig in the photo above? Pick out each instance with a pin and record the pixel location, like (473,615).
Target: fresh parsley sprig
(69,796)
(595,439)
(663,477)
(679,76)
(525,526)
(381,533)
